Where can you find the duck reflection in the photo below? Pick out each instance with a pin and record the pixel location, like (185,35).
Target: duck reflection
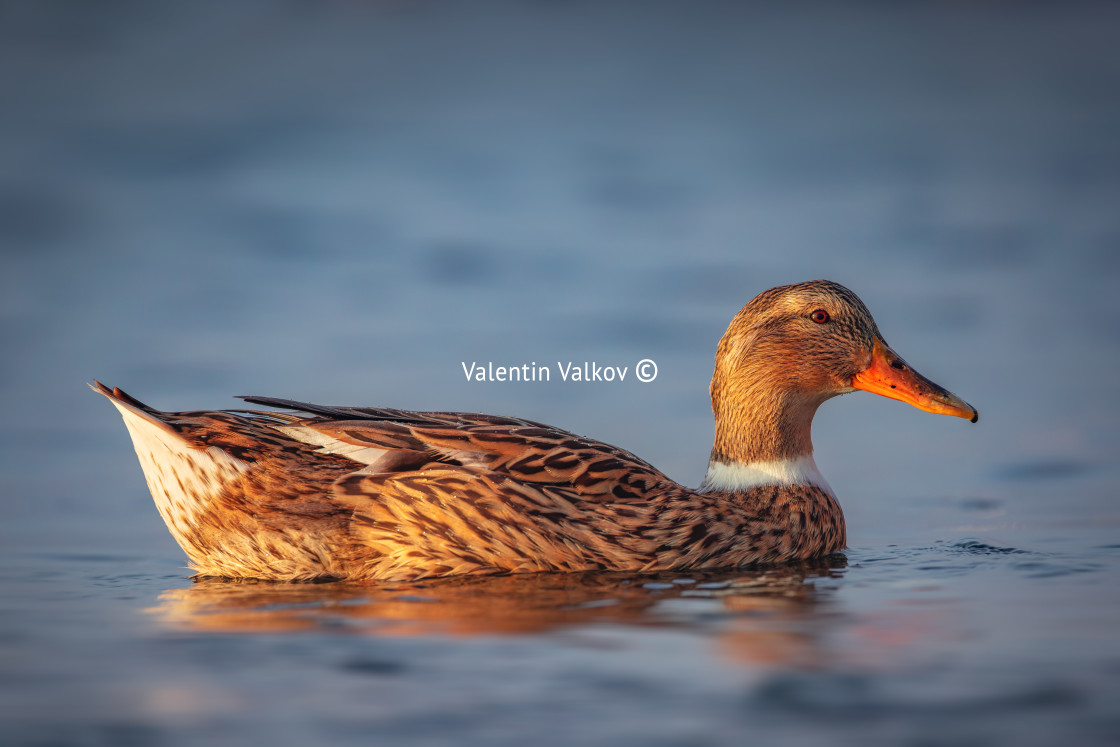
(768,599)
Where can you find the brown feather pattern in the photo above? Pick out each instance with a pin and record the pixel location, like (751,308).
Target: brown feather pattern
(533,498)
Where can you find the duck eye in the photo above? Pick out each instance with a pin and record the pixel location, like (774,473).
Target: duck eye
(820,316)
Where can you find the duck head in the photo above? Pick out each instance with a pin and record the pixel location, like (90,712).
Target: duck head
(787,351)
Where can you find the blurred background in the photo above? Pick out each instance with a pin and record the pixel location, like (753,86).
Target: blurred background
(342,202)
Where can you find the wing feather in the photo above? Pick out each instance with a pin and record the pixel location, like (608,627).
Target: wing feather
(394,441)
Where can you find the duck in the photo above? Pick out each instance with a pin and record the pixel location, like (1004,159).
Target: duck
(306,492)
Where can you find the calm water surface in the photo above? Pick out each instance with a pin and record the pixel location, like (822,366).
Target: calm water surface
(345,203)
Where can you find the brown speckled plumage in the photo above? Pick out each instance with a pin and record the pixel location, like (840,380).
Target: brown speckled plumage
(378,494)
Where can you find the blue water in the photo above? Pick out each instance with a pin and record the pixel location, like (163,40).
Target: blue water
(345,202)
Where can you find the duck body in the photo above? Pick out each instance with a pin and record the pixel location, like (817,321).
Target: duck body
(371,494)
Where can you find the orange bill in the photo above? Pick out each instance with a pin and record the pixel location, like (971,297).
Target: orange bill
(890,376)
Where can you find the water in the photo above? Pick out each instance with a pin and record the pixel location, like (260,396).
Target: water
(344,203)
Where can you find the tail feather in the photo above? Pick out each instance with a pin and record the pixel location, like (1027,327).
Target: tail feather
(182,473)
(119,395)
(131,407)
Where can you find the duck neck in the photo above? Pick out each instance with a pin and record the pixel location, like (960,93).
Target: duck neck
(762,438)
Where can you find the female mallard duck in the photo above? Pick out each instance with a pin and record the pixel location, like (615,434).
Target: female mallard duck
(374,494)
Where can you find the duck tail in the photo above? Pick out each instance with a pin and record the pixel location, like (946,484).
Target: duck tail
(117,395)
(130,406)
